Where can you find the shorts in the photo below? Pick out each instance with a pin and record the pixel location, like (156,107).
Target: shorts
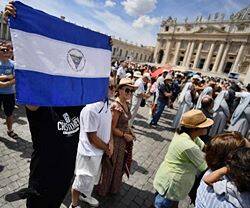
(8,102)
(88,171)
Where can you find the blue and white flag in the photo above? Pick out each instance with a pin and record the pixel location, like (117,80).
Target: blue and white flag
(58,63)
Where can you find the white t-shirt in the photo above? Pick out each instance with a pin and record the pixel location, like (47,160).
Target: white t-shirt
(121,72)
(140,84)
(92,120)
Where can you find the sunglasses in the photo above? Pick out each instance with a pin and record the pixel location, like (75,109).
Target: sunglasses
(127,90)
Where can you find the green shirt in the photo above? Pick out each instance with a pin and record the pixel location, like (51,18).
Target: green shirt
(176,174)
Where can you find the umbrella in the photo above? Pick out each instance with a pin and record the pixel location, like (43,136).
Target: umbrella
(160,70)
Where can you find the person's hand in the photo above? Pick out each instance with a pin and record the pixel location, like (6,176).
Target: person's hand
(4,77)
(10,77)
(108,152)
(111,148)
(128,137)
(9,10)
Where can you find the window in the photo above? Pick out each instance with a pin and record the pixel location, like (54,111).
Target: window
(114,51)
(141,57)
(167,28)
(223,28)
(120,53)
(145,58)
(241,27)
(126,54)
(136,56)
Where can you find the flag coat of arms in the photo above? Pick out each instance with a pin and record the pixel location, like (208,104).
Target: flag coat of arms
(58,63)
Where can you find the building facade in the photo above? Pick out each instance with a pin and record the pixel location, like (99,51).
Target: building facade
(122,50)
(212,44)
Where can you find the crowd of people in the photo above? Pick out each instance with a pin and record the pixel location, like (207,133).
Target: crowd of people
(207,159)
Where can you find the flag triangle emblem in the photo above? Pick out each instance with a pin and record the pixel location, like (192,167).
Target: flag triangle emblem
(76,60)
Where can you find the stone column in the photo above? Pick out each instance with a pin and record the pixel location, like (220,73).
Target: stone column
(156,51)
(238,58)
(223,59)
(218,58)
(209,56)
(190,53)
(247,77)
(198,54)
(166,52)
(186,54)
(177,50)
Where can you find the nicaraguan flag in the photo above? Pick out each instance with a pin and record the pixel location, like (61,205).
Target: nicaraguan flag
(58,63)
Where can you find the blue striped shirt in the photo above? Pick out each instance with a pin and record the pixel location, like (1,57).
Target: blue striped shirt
(207,198)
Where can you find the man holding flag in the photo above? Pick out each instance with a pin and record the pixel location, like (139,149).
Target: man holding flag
(55,85)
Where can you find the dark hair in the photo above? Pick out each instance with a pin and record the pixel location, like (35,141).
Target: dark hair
(183,129)
(219,148)
(207,102)
(239,165)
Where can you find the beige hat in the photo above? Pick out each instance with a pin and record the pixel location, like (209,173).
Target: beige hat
(137,74)
(126,82)
(196,119)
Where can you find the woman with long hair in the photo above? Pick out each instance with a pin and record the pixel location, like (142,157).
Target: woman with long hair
(120,162)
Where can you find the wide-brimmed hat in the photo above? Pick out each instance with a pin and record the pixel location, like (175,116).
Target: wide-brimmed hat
(126,82)
(137,74)
(196,119)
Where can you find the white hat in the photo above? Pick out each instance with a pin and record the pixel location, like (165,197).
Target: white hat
(128,75)
(137,74)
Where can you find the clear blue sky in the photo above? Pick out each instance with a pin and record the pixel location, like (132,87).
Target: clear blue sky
(133,20)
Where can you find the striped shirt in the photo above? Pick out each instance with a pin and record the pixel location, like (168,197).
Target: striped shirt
(217,196)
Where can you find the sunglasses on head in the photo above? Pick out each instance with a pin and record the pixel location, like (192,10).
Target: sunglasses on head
(127,90)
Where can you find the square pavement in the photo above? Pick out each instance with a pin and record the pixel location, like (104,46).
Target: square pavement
(149,150)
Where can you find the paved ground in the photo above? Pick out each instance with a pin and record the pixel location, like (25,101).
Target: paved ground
(137,191)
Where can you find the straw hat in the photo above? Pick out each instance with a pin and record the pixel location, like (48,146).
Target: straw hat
(137,74)
(126,82)
(196,119)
